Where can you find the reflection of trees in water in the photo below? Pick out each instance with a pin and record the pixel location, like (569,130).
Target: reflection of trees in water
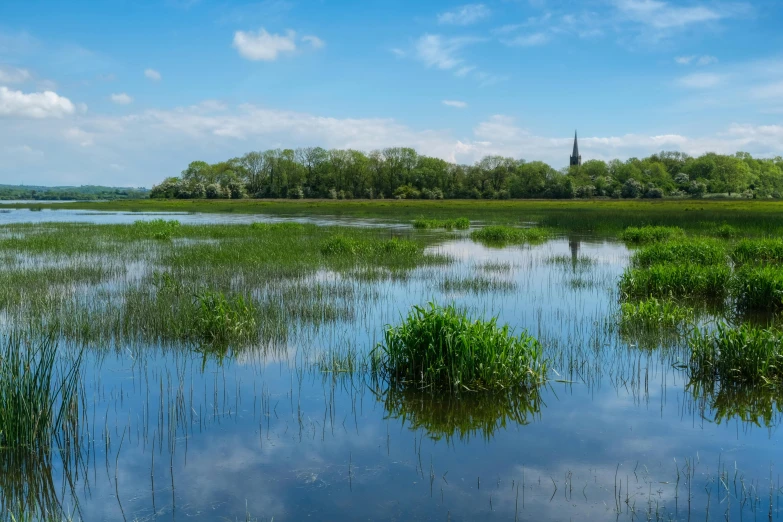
(759,405)
(465,415)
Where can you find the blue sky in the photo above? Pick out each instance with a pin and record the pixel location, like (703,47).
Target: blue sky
(127,93)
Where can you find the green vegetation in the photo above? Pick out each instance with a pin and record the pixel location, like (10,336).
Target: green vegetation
(499,235)
(698,252)
(156,229)
(401,173)
(650,234)
(746,355)
(39,398)
(758,288)
(448,224)
(671,280)
(442,348)
(652,314)
(476,284)
(83,193)
(758,251)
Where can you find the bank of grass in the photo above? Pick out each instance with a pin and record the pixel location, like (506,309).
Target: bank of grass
(758,288)
(703,252)
(737,356)
(610,217)
(654,314)
(676,280)
(448,224)
(651,234)
(758,251)
(442,348)
(498,235)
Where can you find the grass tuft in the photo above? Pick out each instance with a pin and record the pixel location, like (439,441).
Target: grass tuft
(442,348)
(448,224)
(696,252)
(652,314)
(650,234)
(758,251)
(503,235)
(687,280)
(758,288)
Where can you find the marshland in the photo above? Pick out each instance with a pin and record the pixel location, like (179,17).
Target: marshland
(410,361)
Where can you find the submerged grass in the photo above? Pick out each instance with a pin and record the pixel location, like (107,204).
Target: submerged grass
(745,355)
(686,280)
(650,234)
(498,235)
(449,224)
(476,284)
(653,314)
(441,347)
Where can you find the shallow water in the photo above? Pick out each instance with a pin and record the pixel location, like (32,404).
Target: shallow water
(264,434)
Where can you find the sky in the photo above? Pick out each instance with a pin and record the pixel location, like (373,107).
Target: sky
(126,93)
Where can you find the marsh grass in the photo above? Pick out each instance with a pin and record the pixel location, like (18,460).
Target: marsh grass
(654,314)
(476,284)
(741,356)
(650,234)
(448,224)
(758,288)
(670,280)
(758,251)
(441,347)
(156,228)
(695,252)
(498,235)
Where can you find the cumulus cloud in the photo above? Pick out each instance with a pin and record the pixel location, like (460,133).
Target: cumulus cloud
(13,75)
(45,104)
(455,103)
(314,41)
(464,15)
(121,99)
(153,75)
(263,46)
(701,80)
(77,135)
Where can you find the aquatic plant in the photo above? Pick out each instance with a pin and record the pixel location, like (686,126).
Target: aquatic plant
(651,314)
(745,355)
(726,231)
(697,252)
(476,284)
(449,224)
(687,280)
(758,288)
(39,398)
(503,235)
(650,234)
(219,320)
(347,247)
(442,347)
(758,251)
(156,228)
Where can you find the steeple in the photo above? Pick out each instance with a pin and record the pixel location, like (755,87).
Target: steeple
(576,159)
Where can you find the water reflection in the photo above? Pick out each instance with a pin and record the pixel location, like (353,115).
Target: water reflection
(466,416)
(759,405)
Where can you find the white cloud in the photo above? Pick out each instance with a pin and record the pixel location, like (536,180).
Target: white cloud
(528,40)
(435,51)
(77,135)
(455,103)
(663,15)
(463,71)
(264,46)
(153,75)
(701,80)
(45,104)
(13,75)
(464,15)
(698,60)
(314,41)
(121,99)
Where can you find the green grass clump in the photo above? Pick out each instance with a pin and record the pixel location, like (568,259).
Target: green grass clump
(443,348)
(448,224)
(650,234)
(652,314)
(726,231)
(38,397)
(758,251)
(697,252)
(687,280)
(758,288)
(220,321)
(746,355)
(156,229)
(503,235)
(476,284)
(348,247)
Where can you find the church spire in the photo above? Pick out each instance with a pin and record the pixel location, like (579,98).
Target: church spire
(576,159)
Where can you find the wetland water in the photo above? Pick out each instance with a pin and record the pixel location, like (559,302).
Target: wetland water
(271,431)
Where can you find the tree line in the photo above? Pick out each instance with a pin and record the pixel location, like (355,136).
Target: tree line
(401,173)
(83,193)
